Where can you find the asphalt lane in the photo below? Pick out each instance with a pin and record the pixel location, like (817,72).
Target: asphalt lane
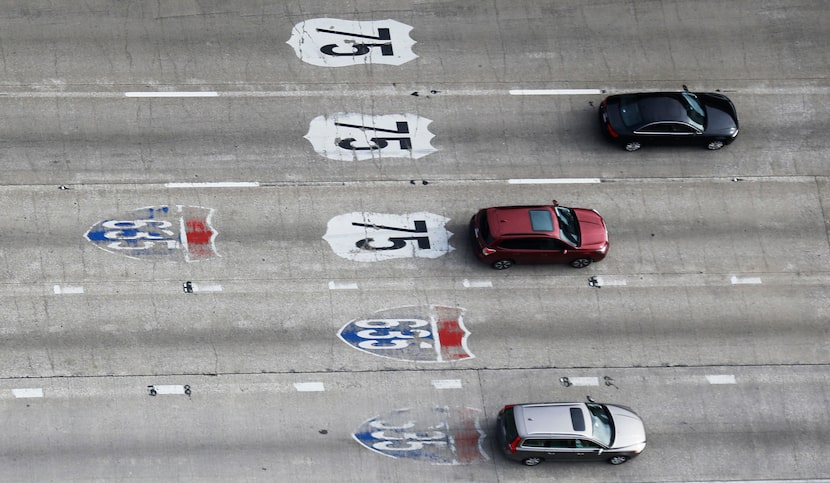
(708,316)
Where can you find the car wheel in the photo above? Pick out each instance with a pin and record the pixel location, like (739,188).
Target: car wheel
(532,461)
(502,264)
(618,460)
(632,146)
(714,145)
(581,262)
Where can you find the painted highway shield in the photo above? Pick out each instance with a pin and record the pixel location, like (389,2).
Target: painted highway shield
(173,232)
(439,435)
(431,333)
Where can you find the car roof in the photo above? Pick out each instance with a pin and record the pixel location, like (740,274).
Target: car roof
(547,419)
(522,220)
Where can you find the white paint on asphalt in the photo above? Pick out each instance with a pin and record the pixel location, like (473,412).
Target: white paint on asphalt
(746,280)
(202,287)
(609,281)
(67,290)
(173,94)
(554,181)
(342,285)
(477,283)
(584,381)
(170,389)
(721,379)
(554,92)
(309,386)
(222,184)
(447,383)
(28,392)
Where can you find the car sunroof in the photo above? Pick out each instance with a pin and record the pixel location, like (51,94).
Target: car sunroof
(541,220)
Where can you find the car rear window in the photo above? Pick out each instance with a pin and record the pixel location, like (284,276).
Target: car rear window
(510,431)
(541,220)
(484,227)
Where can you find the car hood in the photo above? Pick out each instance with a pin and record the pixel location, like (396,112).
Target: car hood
(592,228)
(628,427)
(721,117)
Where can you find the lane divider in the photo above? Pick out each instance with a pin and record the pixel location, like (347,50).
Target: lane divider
(309,386)
(28,392)
(59,290)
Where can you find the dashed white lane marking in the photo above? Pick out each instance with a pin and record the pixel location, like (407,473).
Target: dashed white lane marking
(342,285)
(477,283)
(309,386)
(28,392)
(202,287)
(170,389)
(447,383)
(173,94)
(554,181)
(222,184)
(554,92)
(721,379)
(584,381)
(609,281)
(746,280)
(67,290)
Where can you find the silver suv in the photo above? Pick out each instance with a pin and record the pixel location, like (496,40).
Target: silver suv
(532,433)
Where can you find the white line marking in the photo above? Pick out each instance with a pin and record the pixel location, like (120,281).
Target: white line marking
(223,184)
(721,379)
(477,283)
(206,287)
(309,386)
(584,381)
(342,286)
(746,280)
(447,383)
(28,392)
(604,282)
(173,94)
(554,181)
(169,389)
(67,290)
(553,92)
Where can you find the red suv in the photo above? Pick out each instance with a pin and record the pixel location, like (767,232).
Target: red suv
(506,235)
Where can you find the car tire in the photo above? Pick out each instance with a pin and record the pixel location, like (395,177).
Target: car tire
(632,146)
(502,264)
(714,145)
(532,461)
(581,262)
(618,460)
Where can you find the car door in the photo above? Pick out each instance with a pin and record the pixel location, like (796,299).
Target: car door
(572,449)
(523,250)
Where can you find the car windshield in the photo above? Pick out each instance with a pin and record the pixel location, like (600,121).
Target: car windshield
(568,226)
(695,111)
(602,424)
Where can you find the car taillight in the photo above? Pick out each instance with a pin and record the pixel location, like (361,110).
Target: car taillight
(487,251)
(611,130)
(513,444)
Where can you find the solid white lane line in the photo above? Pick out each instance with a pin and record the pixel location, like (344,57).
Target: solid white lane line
(554,92)
(309,386)
(746,280)
(721,379)
(28,392)
(447,383)
(173,94)
(342,286)
(67,290)
(222,184)
(477,283)
(554,181)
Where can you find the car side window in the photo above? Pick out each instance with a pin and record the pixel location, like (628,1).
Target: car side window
(584,443)
(562,443)
(533,244)
(534,443)
(656,128)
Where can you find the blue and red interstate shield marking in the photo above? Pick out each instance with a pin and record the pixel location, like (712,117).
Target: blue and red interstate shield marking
(158,231)
(431,333)
(439,435)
